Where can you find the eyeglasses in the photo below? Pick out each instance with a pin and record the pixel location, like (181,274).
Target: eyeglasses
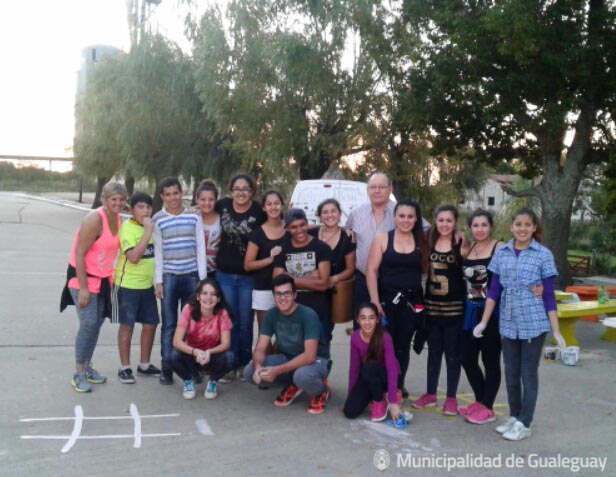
(242,190)
(284,294)
(378,187)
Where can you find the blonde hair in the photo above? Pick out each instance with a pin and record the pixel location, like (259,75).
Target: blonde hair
(112,188)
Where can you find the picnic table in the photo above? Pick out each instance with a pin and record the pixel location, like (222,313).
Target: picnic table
(569,313)
(562,296)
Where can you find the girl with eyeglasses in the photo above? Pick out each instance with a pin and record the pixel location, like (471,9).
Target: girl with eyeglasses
(239,216)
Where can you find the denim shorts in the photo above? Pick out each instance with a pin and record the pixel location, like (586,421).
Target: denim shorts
(137,306)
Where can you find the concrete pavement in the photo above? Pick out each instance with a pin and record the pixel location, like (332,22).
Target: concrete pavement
(148,429)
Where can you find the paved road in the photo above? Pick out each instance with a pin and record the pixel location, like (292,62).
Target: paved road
(241,432)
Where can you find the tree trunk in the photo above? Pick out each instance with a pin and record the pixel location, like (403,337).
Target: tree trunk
(557,192)
(157,201)
(100,182)
(130,185)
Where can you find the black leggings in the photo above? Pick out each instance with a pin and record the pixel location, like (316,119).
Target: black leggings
(445,336)
(401,325)
(485,385)
(371,386)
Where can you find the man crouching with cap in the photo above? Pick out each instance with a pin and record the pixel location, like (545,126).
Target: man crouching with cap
(307,260)
(302,362)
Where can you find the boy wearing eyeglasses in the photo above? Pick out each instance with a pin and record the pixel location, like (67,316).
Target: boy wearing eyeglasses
(303,361)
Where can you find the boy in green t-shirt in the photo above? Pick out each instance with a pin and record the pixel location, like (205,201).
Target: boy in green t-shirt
(134,279)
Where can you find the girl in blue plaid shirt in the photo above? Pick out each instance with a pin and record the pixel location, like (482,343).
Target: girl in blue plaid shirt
(524,318)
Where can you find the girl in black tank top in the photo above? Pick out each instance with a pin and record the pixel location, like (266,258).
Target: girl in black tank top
(485,384)
(398,258)
(445,290)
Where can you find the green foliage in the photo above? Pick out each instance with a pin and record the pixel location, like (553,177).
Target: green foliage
(272,76)
(33,179)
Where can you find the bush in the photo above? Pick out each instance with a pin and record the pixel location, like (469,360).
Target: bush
(33,179)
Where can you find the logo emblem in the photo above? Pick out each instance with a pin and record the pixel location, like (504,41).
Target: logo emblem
(381,459)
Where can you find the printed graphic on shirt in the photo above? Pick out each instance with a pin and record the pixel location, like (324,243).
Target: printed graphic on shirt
(237,231)
(476,282)
(301,264)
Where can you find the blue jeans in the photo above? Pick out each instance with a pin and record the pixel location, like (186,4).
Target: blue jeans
(90,321)
(521,358)
(176,289)
(238,293)
(309,378)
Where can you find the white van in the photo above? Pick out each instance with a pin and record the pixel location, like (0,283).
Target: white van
(308,194)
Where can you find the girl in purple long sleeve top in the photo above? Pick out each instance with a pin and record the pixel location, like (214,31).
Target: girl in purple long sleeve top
(373,372)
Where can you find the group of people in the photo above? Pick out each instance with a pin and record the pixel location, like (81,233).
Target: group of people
(226,259)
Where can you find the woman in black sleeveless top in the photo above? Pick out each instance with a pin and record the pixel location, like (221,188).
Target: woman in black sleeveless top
(396,262)
(445,295)
(485,385)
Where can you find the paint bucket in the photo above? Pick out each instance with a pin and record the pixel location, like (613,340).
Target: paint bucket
(570,355)
(551,353)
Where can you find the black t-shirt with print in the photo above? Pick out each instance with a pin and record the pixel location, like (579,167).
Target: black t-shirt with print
(301,261)
(263,276)
(235,230)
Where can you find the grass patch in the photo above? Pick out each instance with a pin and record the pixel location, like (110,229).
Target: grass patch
(33,179)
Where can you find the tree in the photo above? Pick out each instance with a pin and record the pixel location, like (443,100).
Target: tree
(513,80)
(272,76)
(97,115)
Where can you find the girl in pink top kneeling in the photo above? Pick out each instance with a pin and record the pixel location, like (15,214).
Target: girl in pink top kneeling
(373,373)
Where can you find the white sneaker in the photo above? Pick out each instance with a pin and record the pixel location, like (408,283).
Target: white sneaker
(517,432)
(504,427)
(188,391)
(211,390)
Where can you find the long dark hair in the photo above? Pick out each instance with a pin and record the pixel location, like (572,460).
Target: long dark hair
(196,306)
(375,347)
(418,233)
(533,216)
(433,233)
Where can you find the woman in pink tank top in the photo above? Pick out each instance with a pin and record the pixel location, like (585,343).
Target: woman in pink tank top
(89,279)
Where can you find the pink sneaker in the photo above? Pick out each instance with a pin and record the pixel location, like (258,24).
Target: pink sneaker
(481,416)
(427,400)
(379,411)
(468,410)
(450,408)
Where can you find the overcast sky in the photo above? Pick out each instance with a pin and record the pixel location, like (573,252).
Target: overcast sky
(40,50)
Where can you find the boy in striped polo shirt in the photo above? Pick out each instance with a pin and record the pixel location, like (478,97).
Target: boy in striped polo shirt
(179,253)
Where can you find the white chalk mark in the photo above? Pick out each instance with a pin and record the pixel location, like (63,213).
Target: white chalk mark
(76,430)
(110,436)
(96,418)
(203,427)
(137,418)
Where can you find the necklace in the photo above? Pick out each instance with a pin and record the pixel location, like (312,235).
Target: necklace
(330,237)
(479,252)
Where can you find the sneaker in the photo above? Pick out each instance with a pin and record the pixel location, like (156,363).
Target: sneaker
(227,378)
(427,400)
(517,432)
(318,402)
(211,390)
(287,395)
(481,416)
(80,382)
(188,390)
(379,411)
(450,408)
(126,376)
(166,377)
(468,410)
(151,370)
(506,425)
(94,376)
